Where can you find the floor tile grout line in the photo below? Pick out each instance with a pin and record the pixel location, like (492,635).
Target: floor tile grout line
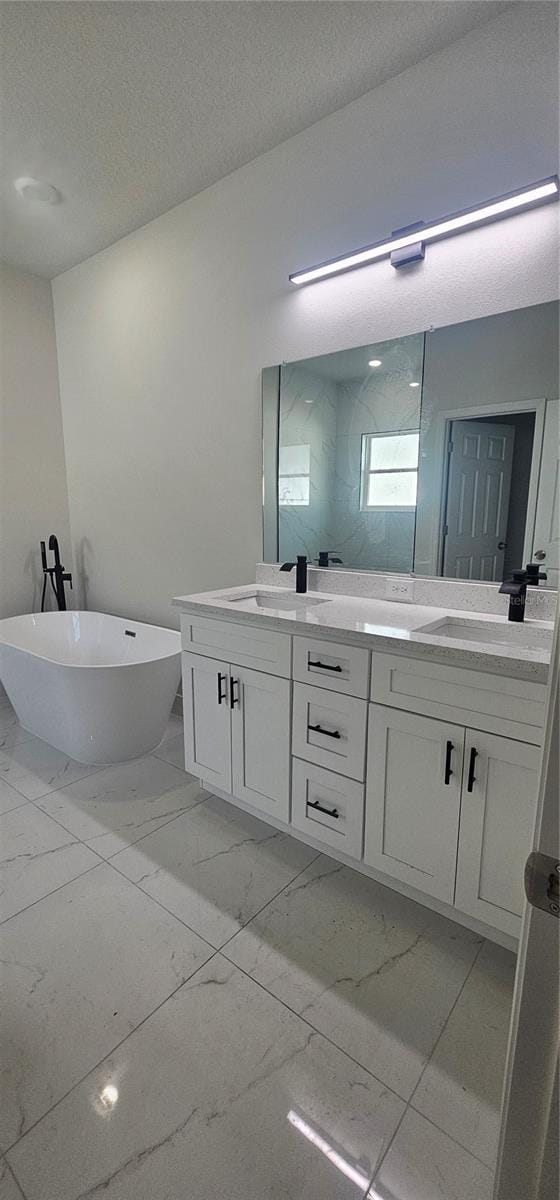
(387,1087)
(13,1174)
(39,900)
(217,949)
(447,1020)
(166,821)
(384,1152)
(108,1054)
(221,950)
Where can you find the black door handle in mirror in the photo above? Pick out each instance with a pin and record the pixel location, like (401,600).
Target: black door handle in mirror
(329,812)
(323,666)
(472,777)
(327,732)
(221,680)
(233,698)
(502,545)
(448,752)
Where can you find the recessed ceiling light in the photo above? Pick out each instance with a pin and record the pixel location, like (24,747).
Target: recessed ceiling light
(414,384)
(36,190)
(374,362)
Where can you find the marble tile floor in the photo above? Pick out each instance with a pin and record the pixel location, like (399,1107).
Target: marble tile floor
(197,1007)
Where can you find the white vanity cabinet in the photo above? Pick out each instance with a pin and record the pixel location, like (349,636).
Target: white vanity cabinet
(413,799)
(418,772)
(449,811)
(237,731)
(500,779)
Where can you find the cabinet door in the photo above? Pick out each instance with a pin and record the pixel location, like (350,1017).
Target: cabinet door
(260,732)
(413,797)
(207,720)
(500,779)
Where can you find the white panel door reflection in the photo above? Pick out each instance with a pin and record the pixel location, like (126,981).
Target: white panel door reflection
(478,492)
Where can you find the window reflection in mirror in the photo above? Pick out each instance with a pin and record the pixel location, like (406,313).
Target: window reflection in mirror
(348,455)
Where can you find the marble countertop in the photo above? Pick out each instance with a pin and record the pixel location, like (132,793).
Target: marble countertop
(382,625)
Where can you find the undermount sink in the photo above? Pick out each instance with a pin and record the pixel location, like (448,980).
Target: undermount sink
(529,637)
(288,601)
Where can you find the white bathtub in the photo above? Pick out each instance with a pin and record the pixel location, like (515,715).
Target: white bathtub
(99,688)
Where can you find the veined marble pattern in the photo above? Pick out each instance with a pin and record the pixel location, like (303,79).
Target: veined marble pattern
(9,798)
(460,1089)
(36,857)
(144,1065)
(11,732)
(120,804)
(77,982)
(374,971)
(215,867)
(34,768)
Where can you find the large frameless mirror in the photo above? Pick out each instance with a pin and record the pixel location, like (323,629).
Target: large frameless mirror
(435,453)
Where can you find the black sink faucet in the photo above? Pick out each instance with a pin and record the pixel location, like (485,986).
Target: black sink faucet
(534,574)
(516,589)
(325,559)
(301,572)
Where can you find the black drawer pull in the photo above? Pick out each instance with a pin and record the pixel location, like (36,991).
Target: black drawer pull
(472,776)
(221,679)
(448,772)
(329,812)
(327,732)
(323,666)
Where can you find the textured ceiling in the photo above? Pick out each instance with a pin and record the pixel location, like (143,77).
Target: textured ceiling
(129,108)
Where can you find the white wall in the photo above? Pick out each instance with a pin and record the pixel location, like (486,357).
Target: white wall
(33,496)
(161,337)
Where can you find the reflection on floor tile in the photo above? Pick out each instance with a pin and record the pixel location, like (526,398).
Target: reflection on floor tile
(80,970)
(424,1164)
(9,1189)
(215,867)
(461,1089)
(172,750)
(35,768)
(373,971)
(36,856)
(121,804)
(248,1104)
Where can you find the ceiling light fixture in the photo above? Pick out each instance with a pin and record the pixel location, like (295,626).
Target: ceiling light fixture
(36,190)
(413,238)
(374,362)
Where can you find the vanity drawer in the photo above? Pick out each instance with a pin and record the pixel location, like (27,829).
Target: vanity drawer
(494,703)
(328,807)
(246,645)
(330,730)
(332,665)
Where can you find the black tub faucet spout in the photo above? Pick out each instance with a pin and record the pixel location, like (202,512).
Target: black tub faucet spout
(58,576)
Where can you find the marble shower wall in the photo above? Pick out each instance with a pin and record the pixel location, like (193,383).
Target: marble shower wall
(308,405)
(331,415)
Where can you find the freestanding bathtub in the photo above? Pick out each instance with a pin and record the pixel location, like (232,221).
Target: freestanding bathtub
(97,687)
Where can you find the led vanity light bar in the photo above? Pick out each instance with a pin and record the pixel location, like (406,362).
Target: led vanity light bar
(491,210)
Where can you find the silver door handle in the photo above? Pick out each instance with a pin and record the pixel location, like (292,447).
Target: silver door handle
(539,555)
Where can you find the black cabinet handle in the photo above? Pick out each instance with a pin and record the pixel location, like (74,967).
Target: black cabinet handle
(448,772)
(329,812)
(327,732)
(233,698)
(472,777)
(323,666)
(221,695)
